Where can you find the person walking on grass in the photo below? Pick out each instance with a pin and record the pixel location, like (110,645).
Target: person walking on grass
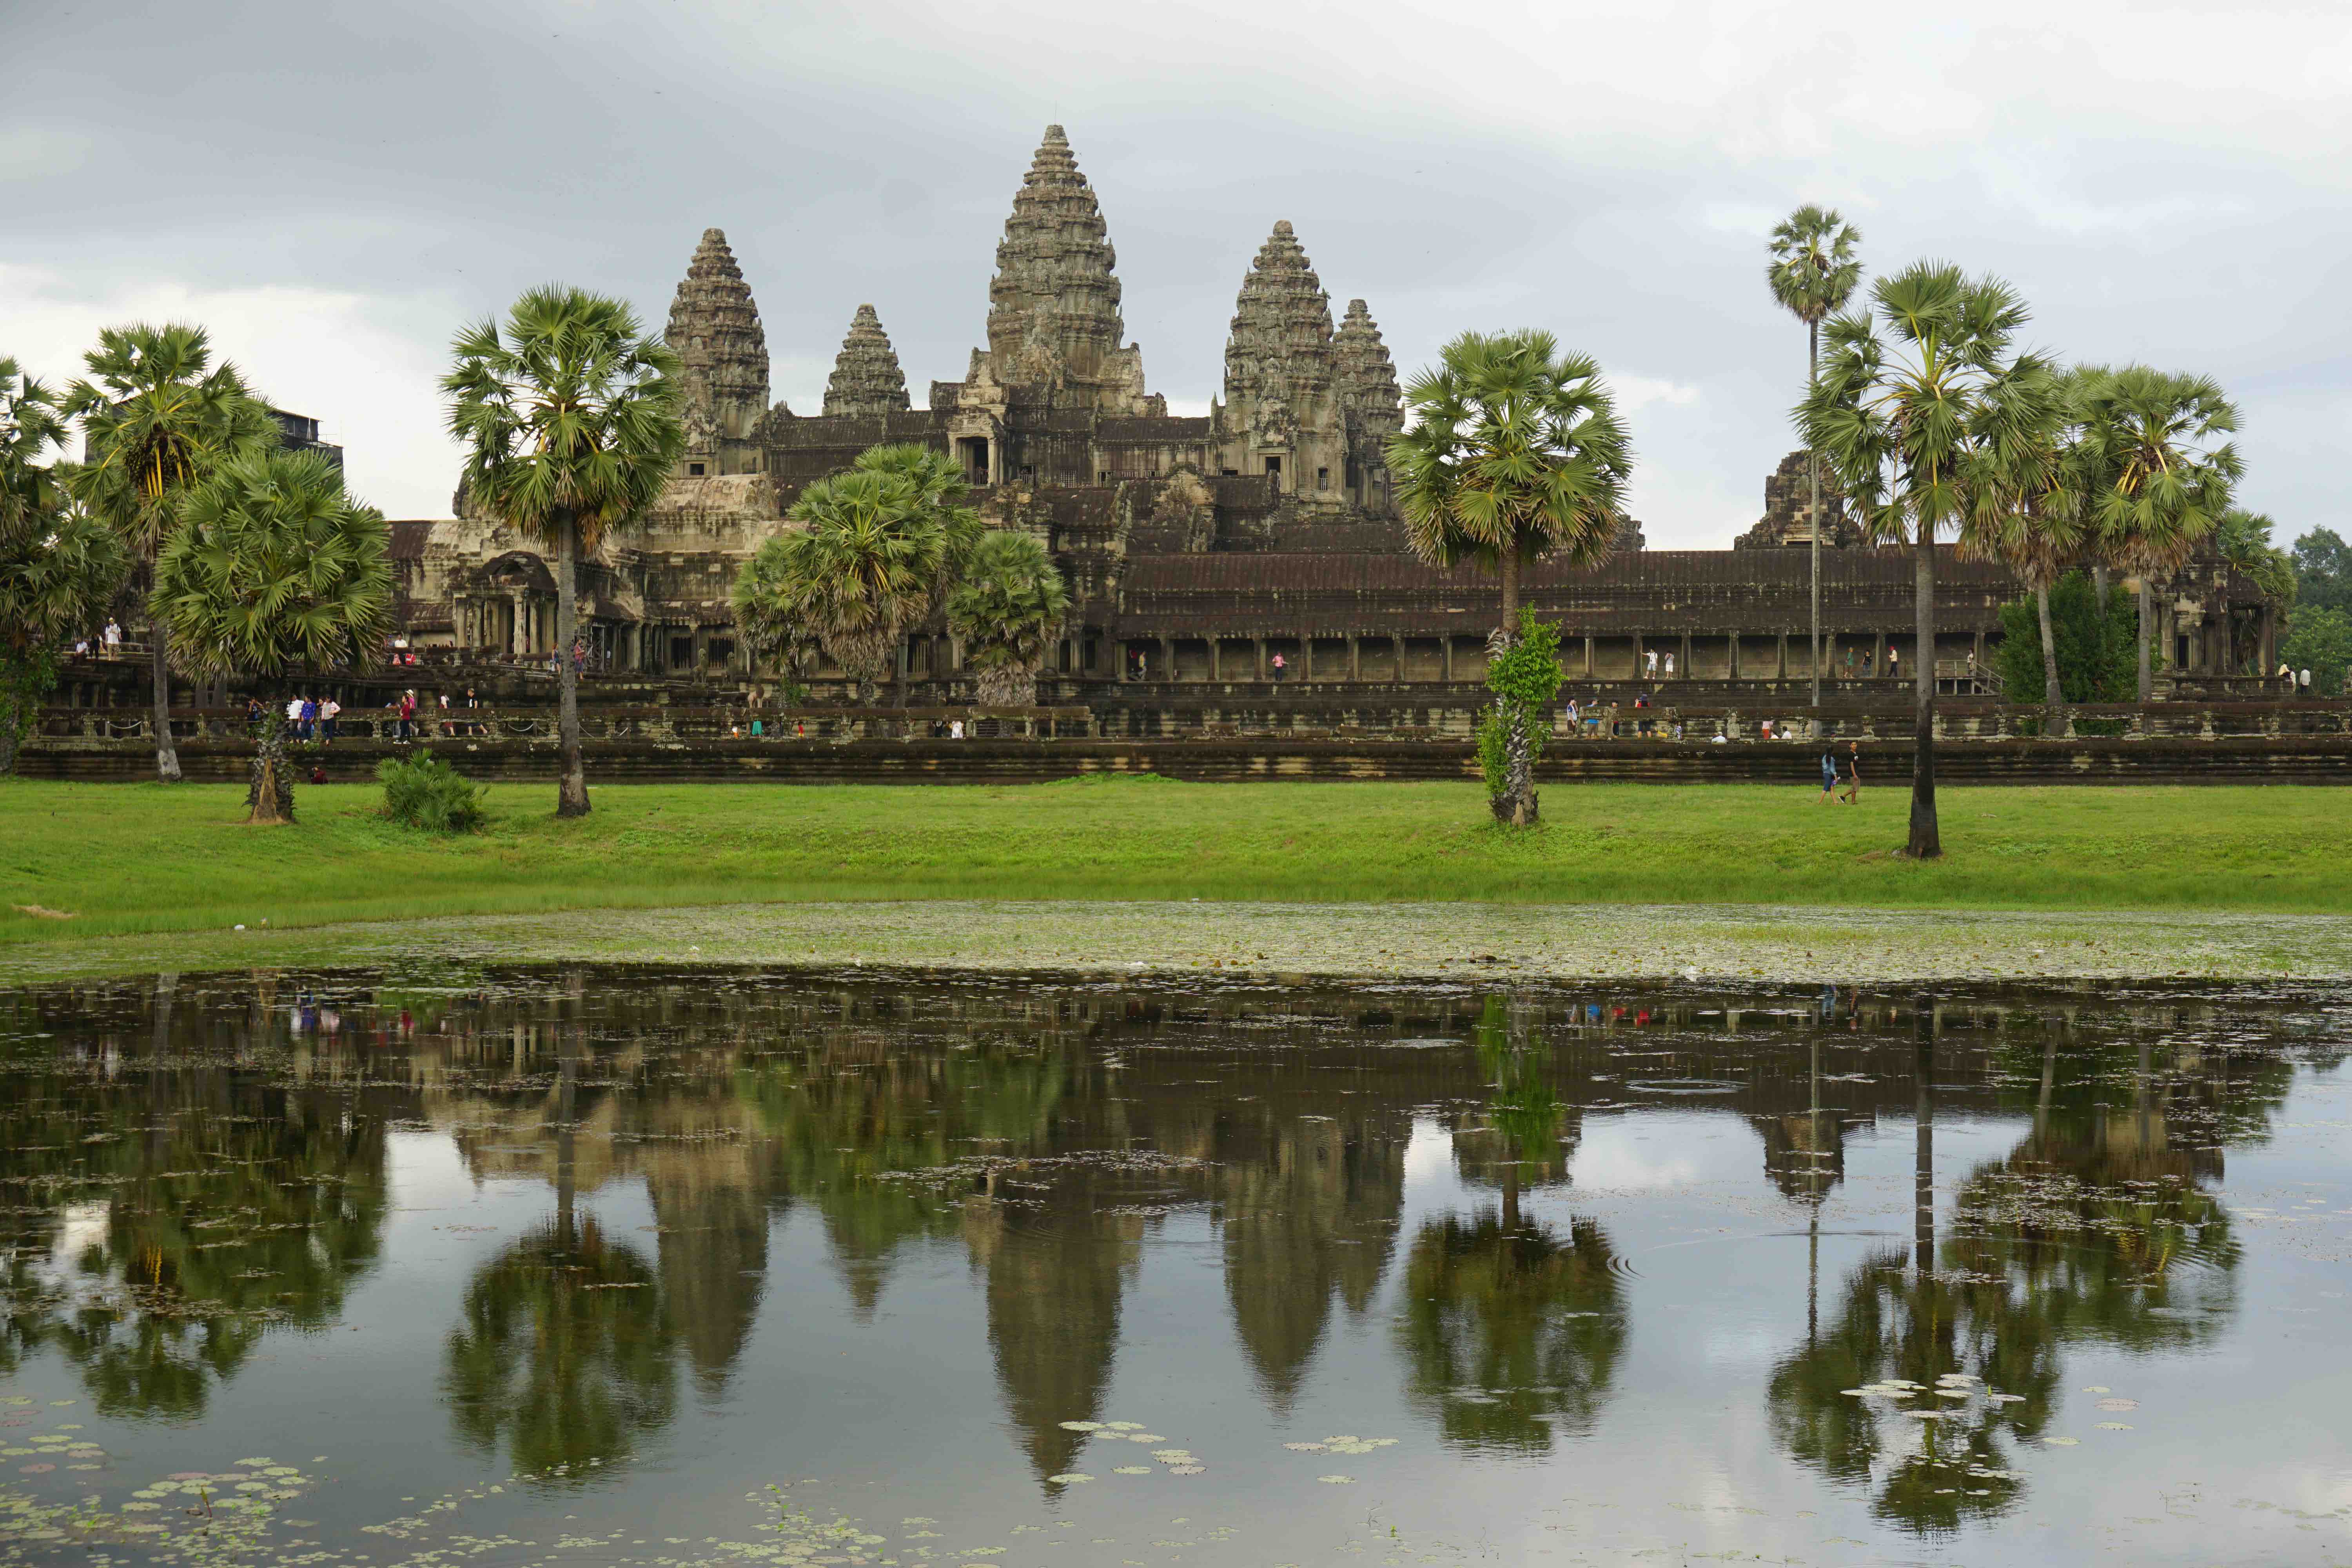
(1852,796)
(1829,775)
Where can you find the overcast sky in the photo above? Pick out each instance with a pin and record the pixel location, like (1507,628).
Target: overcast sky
(334,188)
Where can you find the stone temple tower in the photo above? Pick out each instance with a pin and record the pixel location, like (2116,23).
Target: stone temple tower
(1282,413)
(1053,325)
(1374,406)
(715,329)
(866,377)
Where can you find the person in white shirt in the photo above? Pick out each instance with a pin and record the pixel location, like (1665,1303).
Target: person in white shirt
(113,638)
(327,713)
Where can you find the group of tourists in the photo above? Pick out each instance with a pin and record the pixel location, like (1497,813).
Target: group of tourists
(1852,778)
(313,719)
(109,644)
(307,718)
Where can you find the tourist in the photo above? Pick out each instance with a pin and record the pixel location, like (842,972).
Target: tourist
(2303,679)
(294,715)
(329,711)
(1650,663)
(407,715)
(1278,666)
(253,714)
(310,718)
(1768,729)
(1852,796)
(1892,654)
(113,637)
(955,728)
(1829,775)
(81,647)
(757,731)
(1670,666)
(318,772)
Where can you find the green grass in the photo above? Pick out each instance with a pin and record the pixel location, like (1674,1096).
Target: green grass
(141,857)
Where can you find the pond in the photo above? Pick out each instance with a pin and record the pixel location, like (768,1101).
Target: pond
(634,1266)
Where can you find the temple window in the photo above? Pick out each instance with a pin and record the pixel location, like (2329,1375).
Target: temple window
(1322,478)
(1274,472)
(695,469)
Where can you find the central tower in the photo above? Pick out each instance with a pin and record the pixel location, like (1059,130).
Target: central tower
(1053,325)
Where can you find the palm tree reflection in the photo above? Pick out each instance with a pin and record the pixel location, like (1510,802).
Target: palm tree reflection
(1511,1329)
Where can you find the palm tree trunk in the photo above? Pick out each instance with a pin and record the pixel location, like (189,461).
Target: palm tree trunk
(2099,589)
(167,756)
(1925,843)
(571,794)
(1923,1153)
(1814,475)
(2146,640)
(2054,695)
(1516,805)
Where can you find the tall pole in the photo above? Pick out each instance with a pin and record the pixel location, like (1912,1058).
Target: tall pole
(1813,470)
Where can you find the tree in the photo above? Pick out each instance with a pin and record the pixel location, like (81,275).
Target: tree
(1515,452)
(863,566)
(2243,540)
(772,613)
(1008,612)
(571,421)
(58,565)
(2155,485)
(1913,419)
(2319,641)
(2323,570)
(1813,272)
(2028,513)
(944,494)
(1524,677)
(2092,650)
(274,569)
(157,416)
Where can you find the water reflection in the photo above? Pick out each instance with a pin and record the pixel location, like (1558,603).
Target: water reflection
(191,1167)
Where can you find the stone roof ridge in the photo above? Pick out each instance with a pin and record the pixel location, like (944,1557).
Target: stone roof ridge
(1054,303)
(866,378)
(1282,322)
(1367,373)
(715,327)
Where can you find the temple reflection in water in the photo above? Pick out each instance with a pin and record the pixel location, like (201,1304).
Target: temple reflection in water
(197,1165)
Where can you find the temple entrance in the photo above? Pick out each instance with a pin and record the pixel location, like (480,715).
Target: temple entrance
(973,450)
(1274,474)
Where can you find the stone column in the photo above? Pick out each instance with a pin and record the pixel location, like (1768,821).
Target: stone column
(1355,657)
(1731,658)
(1445,659)
(1257,647)
(1683,665)
(1781,670)
(1588,659)
(1167,647)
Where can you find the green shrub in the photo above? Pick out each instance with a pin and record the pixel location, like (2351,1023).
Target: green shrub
(430,795)
(1524,678)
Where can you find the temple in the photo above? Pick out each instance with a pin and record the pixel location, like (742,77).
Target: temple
(1197,548)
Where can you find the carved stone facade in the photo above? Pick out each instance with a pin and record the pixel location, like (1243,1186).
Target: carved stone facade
(1788,512)
(866,377)
(715,328)
(1194,547)
(1284,413)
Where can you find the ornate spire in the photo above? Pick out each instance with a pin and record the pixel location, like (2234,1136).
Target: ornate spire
(1280,350)
(1367,374)
(1052,305)
(715,328)
(866,378)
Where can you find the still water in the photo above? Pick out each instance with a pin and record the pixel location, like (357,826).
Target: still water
(619,1265)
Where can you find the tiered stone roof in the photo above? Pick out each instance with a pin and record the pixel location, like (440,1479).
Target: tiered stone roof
(1367,374)
(1052,305)
(866,377)
(1281,345)
(715,328)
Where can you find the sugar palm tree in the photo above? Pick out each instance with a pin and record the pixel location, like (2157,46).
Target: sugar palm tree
(774,615)
(1008,612)
(1515,452)
(1812,273)
(2029,516)
(571,421)
(2156,481)
(1912,411)
(157,416)
(273,569)
(859,569)
(944,492)
(58,565)
(2243,541)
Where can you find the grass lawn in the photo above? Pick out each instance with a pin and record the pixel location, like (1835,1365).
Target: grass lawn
(143,857)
